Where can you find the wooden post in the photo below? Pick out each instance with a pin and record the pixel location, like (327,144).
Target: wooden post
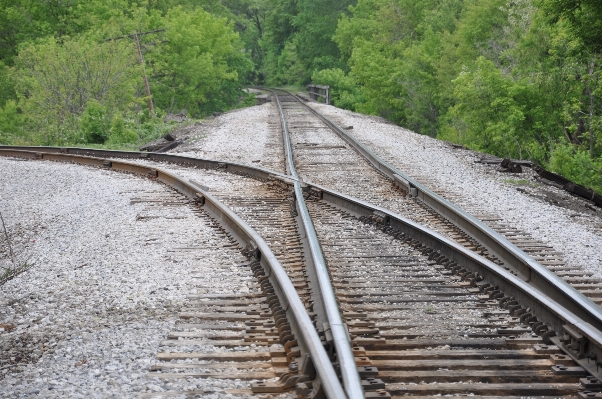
(151,108)
(316,92)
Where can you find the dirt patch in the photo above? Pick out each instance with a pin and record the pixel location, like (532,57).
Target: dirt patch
(18,350)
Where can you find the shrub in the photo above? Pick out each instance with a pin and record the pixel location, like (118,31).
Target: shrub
(120,132)
(576,165)
(95,123)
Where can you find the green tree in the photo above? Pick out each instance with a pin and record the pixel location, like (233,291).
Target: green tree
(197,69)
(56,81)
(584,19)
(490,110)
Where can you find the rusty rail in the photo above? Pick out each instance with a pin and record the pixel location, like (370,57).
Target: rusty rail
(308,339)
(528,269)
(564,313)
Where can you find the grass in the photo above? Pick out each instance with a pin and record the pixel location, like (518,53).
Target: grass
(520,182)
(10,273)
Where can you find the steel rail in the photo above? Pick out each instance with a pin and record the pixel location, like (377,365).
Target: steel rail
(554,286)
(545,307)
(349,373)
(298,317)
(234,167)
(527,268)
(555,310)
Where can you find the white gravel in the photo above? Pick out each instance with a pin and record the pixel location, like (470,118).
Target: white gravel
(480,188)
(106,284)
(249,136)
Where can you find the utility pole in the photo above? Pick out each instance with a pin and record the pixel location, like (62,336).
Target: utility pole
(151,107)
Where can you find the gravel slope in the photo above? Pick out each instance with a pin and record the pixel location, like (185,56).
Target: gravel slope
(249,136)
(548,214)
(105,286)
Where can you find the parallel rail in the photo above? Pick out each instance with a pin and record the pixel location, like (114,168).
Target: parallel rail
(528,269)
(349,373)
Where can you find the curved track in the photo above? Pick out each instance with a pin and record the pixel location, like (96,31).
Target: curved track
(422,312)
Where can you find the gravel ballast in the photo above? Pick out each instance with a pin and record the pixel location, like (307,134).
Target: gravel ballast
(552,216)
(548,214)
(106,281)
(249,136)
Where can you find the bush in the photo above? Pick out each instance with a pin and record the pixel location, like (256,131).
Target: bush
(95,123)
(73,83)
(577,166)
(11,122)
(120,132)
(344,90)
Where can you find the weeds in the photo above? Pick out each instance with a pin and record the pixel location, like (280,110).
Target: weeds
(18,267)
(520,182)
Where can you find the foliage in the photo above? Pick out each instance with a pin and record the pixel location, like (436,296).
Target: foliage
(516,78)
(70,72)
(58,82)
(11,123)
(576,165)
(297,39)
(584,19)
(345,91)
(95,123)
(197,69)
(121,132)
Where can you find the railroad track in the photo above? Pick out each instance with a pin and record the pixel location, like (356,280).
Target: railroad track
(357,262)
(423,313)
(260,335)
(319,142)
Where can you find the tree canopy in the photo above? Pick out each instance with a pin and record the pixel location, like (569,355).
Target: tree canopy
(71,71)
(515,78)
